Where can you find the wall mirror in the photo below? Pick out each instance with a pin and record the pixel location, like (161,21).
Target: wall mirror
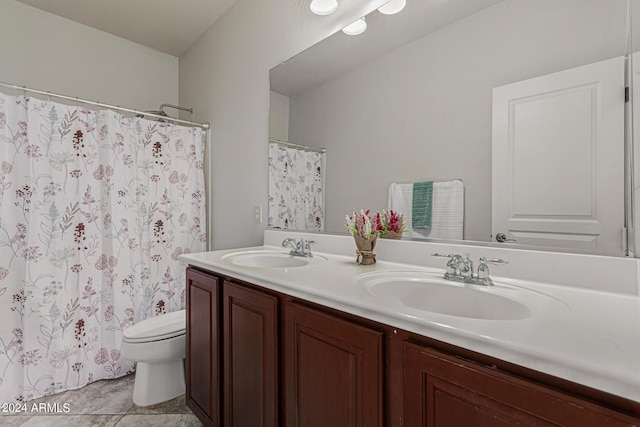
(414,99)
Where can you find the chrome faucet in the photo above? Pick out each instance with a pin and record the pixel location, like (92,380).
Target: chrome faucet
(301,247)
(460,269)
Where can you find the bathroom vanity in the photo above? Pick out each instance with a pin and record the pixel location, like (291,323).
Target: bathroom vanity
(305,345)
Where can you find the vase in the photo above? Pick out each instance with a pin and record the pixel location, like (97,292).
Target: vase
(392,235)
(364,253)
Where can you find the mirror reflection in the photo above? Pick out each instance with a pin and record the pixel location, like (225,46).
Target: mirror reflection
(519,101)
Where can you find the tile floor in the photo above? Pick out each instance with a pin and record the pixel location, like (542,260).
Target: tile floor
(103,403)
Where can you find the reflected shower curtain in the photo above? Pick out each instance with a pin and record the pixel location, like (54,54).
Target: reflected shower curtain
(296,199)
(94,210)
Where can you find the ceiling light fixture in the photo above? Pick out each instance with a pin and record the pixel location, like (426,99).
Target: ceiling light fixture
(394,6)
(324,7)
(356,27)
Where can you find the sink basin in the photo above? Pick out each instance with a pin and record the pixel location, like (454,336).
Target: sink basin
(267,259)
(430,292)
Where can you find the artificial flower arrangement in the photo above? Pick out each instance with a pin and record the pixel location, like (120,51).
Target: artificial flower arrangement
(391,224)
(365,230)
(363,225)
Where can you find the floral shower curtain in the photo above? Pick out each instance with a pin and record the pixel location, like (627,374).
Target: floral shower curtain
(94,210)
(296,199)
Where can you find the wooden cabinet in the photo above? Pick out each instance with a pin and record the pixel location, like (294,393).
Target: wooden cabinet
(442,390)
(232,352)
(256,357)
(202,353)
(250,343)
(332,370)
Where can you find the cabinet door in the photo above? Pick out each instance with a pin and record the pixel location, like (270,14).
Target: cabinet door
(440,390)
(332,370)
(250,326)
(202,362)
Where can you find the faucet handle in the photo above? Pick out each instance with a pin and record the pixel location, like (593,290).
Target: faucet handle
(439,255)
(307,248)
(483,269)
(453,265)
(289,242)
(494,261)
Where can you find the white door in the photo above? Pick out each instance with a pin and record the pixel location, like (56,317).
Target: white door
(558,159)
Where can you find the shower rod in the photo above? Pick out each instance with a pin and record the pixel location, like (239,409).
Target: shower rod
(204,126)
(302,147)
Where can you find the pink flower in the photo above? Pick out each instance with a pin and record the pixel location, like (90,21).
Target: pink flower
(32,151)
(6,168)
(105,262)
(167,277)
(102,356)
(87,197)
(88,292)
(30,358)
(108,313)
(104,130)
(179,251)
(99,173)
(89,310)
(32,253)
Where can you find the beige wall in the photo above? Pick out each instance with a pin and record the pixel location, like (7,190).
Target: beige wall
(225,76)
(279,117)
(47,52)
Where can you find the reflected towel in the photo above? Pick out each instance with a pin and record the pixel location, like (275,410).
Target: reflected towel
(447,209)
(401,200)
(421,204)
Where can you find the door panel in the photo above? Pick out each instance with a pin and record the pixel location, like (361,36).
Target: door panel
(332,370)
(250,356)
(558,159)
(441,390)
(202,350)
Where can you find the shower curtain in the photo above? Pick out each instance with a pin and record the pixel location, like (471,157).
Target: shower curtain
(94,210)
(296,181)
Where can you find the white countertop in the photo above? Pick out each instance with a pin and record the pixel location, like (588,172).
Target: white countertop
(590,337)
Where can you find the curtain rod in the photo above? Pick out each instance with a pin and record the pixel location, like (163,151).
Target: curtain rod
(204,126)
(302,147)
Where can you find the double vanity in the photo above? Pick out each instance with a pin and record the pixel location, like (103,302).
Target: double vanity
(275,339)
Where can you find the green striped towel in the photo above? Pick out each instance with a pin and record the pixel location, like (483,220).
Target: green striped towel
(421,210)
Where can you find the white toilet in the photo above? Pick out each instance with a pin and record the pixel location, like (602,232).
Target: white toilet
(157,345)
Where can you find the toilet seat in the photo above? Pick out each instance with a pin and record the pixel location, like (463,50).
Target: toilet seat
(157,328)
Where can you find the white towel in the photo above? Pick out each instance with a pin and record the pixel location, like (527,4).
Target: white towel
(447,210)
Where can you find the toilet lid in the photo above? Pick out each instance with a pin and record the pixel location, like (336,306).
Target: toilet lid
(157,328)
